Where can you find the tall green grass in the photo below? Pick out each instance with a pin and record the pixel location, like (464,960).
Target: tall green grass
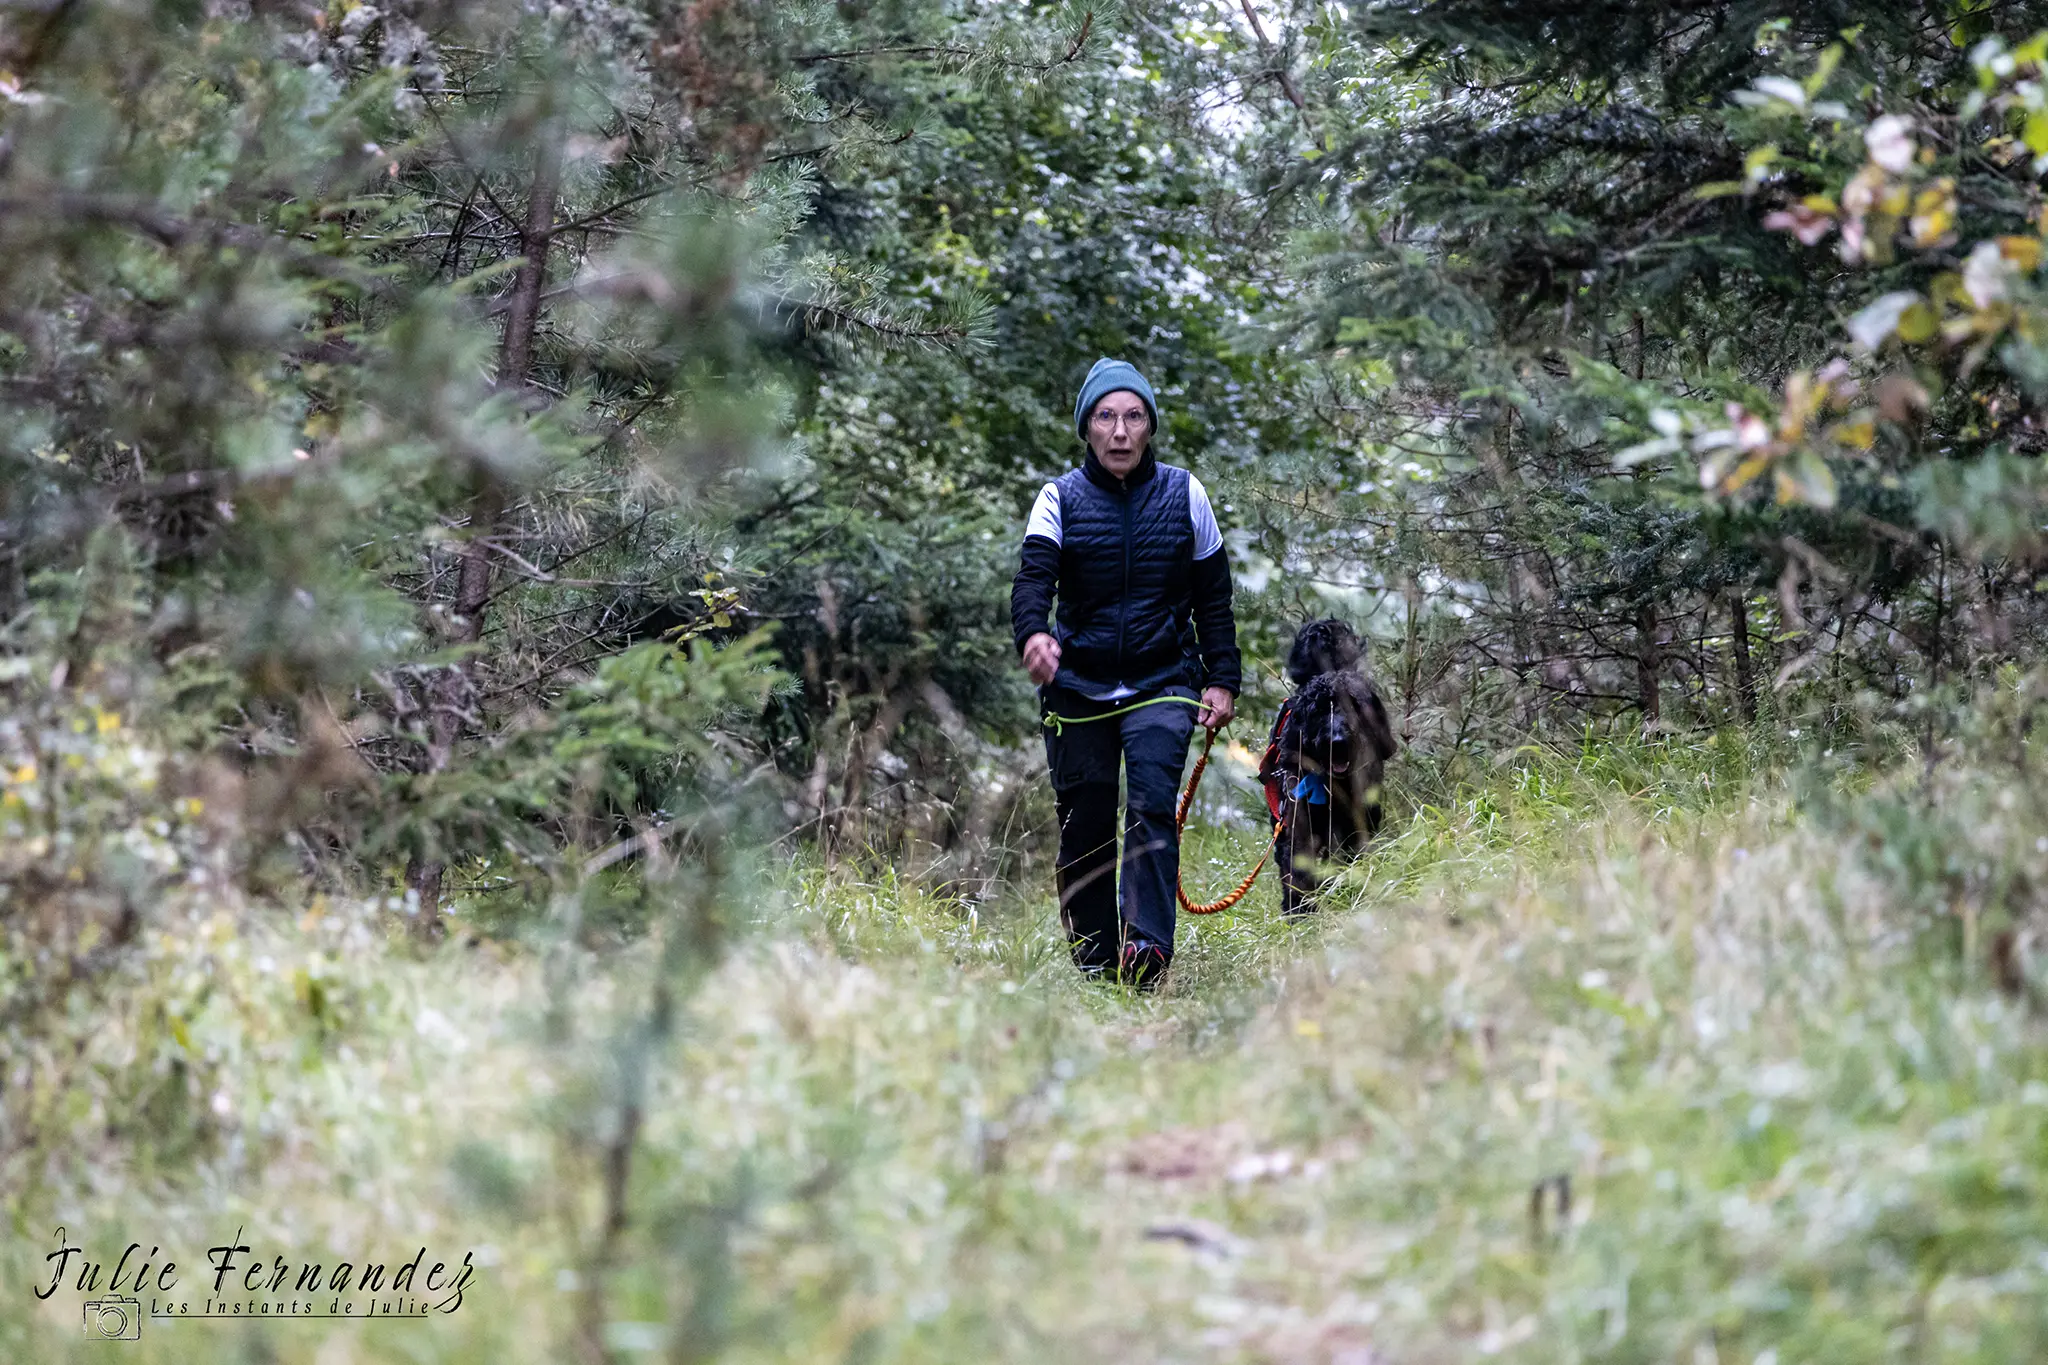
(1793,1124)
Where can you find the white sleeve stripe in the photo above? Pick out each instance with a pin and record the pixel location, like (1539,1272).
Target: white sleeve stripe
(1208,537)
(1045,515)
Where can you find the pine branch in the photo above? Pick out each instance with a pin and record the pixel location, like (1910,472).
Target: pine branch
(963,327)
(964,54)
(168,229)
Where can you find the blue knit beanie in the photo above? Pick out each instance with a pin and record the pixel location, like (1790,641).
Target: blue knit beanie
(1105,377)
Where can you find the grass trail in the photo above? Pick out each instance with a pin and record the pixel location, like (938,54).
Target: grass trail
(1612,1058)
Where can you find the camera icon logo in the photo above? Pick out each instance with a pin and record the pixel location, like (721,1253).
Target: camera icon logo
(113,1319)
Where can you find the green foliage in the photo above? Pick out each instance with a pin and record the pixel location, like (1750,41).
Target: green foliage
(641,736)
(548,482)
(1906,193)
(898,1122)
(1540,265)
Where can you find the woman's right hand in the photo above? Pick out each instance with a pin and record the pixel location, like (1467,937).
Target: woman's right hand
(1041,658)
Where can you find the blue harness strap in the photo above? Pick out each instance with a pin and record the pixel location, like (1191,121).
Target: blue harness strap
(1312,789)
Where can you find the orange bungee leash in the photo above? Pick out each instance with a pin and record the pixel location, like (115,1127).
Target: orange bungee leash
(1180,822)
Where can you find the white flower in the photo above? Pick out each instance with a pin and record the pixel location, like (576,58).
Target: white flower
(1877,320)
(1991,55)
(1890,141)
(1783,88)
(1750,431)
(1987,275)
(1859,196)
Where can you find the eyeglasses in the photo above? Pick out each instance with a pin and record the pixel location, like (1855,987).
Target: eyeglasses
(1105,420)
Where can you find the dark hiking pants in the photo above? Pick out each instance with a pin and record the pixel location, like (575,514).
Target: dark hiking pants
(1151,746)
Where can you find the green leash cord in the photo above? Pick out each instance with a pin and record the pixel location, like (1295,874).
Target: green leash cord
(1058,723)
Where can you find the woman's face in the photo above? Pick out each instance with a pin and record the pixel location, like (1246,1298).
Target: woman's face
(1118,430)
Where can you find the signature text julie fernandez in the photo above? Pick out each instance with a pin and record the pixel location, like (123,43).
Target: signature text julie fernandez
(244,1285)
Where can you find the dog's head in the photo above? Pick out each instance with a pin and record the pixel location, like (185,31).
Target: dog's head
(1336,725)
(1323,647)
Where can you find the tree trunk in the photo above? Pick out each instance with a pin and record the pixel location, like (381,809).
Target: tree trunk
(847,830)
(1499,456)
(1648,662)
(452,690)
(1745,677)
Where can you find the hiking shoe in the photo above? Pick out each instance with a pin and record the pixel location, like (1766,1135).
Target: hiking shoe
(1143,964)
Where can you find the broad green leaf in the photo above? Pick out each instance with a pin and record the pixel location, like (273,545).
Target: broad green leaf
(1806,478)
(2035,134)
(1824,69)
(1917,323)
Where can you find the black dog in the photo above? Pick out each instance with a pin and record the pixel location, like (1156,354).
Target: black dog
(1326,760)
(1322,647)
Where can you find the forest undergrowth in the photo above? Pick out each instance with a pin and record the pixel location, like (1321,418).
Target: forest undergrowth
(1664,1051)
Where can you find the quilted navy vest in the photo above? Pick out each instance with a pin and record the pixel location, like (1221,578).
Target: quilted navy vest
(1127,555)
